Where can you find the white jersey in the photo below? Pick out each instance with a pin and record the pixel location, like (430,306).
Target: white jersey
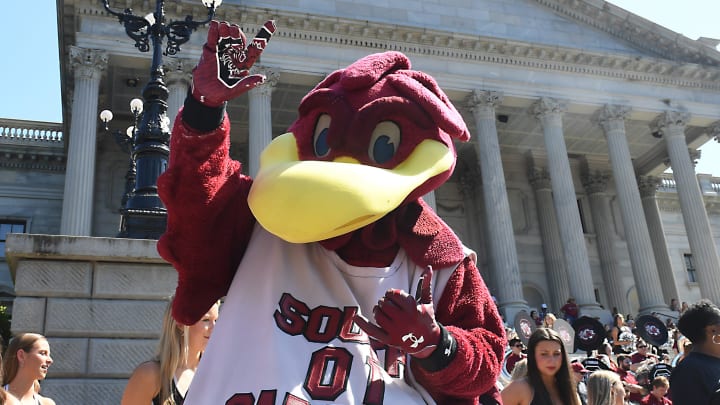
(285,333)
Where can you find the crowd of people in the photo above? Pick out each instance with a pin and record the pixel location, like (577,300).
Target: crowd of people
(625,369)
(162,380)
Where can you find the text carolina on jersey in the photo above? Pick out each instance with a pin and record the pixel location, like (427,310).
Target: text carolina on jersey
(322,325)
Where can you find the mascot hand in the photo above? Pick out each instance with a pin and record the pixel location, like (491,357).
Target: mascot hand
(223,72)
(405,322)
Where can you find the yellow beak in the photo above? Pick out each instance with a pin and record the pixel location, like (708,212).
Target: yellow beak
(307,201)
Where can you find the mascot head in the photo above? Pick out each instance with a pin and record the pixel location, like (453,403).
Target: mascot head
(368,139)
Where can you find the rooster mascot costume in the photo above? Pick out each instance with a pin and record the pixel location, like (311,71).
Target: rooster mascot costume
(342,286)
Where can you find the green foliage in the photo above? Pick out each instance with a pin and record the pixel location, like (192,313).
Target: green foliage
(5,333)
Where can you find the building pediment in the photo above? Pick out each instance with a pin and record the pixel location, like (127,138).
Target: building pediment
(643,34)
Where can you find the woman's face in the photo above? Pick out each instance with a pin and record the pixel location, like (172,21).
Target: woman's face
(200,331)
(549,357)
(37,360)
(618,393)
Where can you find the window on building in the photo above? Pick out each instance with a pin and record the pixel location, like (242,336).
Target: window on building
(690,267)
(6,227)
(582,215)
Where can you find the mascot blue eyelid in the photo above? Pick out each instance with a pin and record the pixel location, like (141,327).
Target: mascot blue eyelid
(341,285)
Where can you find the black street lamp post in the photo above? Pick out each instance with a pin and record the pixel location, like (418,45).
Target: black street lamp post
(143,214)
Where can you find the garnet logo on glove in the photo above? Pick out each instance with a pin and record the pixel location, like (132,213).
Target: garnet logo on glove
(234,60)
(231,54)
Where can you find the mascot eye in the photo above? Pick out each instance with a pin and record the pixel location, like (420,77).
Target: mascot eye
(320,138)
(384,142)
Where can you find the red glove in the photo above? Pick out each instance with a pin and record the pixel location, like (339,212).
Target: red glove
(404,321)
(223,71)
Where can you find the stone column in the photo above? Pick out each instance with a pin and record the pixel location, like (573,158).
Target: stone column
(429,199)
(648,189)
(552,247)
(596,187)
(502,251)
(260,123)
(178,76)
(642,258)
(549,112)
(87,65)
(469,185)
(671,125)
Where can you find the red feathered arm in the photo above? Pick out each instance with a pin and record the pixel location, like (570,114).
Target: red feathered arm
(206,199)
(467,311)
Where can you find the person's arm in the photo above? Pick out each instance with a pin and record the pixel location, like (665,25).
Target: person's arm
(143,385)
(470,317)
(204,191)
(517,393)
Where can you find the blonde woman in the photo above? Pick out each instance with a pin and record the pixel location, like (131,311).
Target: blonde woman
(25,363)
(165,379)
(605,388)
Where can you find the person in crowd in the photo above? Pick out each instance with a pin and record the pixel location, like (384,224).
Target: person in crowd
(516,354)
(685,349)
(696,378)
(549,320)
(543,311)
(165,379)
(605,388)
(5,397)
(26,362)
(627,376)
(549,380)
(684,307)
(606,356)
(520,370)
(579,374)
(657,395)
(674,305)
(536,317)
(642,353)
(570,310)
(622,336)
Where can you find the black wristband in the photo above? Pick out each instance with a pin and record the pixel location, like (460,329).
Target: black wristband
(201,117)
(443,354)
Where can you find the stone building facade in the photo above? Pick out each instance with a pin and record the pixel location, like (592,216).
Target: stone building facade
(576,109)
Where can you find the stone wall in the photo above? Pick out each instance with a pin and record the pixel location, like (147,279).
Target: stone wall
(100,303)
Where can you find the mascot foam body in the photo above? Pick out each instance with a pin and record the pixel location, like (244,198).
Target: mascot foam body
(328,257)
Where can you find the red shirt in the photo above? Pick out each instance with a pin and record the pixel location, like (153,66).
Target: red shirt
(570,309)
(512,359)
(630,379)
(651,399)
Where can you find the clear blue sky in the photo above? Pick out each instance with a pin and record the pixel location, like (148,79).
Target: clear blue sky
(30,75)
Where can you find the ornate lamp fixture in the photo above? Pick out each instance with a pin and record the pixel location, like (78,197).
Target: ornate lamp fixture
(143,214)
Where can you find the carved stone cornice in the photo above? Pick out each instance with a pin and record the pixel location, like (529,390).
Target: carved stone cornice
(642,33)
(539,179)
(596,182)
(714,131)
(612,117)
(546,107)
(88,63)
(178,70)
(471,48)
(484,102)
(470,180)
(648,185)
(670,123)
(271,79)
